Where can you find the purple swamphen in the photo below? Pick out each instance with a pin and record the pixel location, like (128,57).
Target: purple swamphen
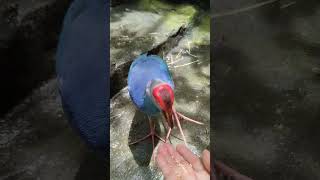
(151,89)
(82,67)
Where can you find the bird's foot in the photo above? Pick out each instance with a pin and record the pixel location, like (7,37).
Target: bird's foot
(183,117)
(152,134)
(178,117)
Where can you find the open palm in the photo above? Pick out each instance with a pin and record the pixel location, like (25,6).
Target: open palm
(182,163)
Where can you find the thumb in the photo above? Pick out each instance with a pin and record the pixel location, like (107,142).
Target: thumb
(206,159)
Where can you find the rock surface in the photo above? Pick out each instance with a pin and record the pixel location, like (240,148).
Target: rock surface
(266,105)
(36,142)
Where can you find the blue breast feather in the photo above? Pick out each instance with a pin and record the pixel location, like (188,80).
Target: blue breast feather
(142,71)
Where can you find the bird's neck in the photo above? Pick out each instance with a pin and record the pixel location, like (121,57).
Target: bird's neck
(149,88)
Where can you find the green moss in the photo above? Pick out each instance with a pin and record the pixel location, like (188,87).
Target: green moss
(201,33)
(174,15)
(187,10)
(205,23)
(182,15)
(154,5)
(200,37)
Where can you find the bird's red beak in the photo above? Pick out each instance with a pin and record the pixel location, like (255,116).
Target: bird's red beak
(164,97)
(168,114)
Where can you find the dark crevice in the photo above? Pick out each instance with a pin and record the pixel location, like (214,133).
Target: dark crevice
(27,48)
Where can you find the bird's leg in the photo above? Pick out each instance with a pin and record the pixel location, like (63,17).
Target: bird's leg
(152,134)
(167,127)
(168,134)
(178,124)
(153,130)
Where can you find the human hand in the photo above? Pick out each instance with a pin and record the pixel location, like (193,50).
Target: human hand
(182,163)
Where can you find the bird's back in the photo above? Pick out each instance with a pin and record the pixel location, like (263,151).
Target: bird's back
(82,70)
(142,71)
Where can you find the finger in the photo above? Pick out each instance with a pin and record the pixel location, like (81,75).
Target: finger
(181,166)
(162,160)
(163,164)
(174,155)
(164,152)
(180,161)
(206,159)
(160,149)
(190,157)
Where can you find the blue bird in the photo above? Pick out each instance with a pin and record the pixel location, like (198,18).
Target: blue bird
(82,68)
(151,89)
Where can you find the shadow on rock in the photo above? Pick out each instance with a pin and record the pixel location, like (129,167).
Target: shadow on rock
(294,41)
(142,151)
(94,166)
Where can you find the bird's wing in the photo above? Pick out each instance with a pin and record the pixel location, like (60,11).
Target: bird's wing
(142,71)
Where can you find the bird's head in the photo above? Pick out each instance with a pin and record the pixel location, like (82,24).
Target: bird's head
(163,97)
